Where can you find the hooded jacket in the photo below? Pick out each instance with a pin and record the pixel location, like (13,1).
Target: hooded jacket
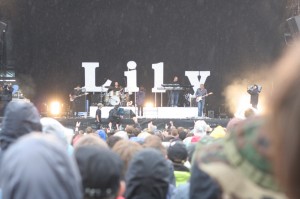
(100,171)
(147,176)
(20,118)
(38,166)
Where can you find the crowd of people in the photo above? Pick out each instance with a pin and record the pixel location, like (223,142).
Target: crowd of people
(252,158)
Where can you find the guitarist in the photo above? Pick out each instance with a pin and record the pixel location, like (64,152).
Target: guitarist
(201,92)
(74,100)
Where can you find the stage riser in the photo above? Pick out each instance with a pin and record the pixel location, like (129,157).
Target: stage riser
(158,112)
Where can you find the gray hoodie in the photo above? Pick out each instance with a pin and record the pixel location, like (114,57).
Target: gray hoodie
(20,118)
(38,166)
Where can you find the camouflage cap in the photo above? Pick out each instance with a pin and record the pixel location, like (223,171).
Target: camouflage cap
(240,162)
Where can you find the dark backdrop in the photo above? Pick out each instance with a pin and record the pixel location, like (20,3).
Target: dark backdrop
(49,39)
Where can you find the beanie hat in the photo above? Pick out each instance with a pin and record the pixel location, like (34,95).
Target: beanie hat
(102,134)
(100,169)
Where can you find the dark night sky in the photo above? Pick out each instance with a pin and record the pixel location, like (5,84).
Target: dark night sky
(48,40)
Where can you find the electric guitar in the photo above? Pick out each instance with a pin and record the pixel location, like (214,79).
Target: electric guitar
(199,98)
(73,97)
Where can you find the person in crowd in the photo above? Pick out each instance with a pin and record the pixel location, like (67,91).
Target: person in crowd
(178,154)
(283,124)
(38,166)
(200,128)
(89,130)
(151,128)
(243,159)
(181,133)
(175,134)
(90,140)
(77,137)
(98,115)
(182,191)
(100,171)
(112,140)
(115,117)
(144,134)
(250,112)
(232,124)
(122,134)
(53,127)
(20,118)
(199,131)
(102,134)
(140,100)
(147,176)
(131,131)
(126,150)
(137,140)
(200,98)
(155,142)
(218,132)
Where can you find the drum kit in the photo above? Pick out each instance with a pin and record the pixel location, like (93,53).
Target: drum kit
(113,98)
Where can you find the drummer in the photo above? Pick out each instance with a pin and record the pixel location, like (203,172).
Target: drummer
(115,90)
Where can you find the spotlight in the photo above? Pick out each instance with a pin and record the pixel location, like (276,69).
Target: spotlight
(149,104)
(55,108)
(242,106)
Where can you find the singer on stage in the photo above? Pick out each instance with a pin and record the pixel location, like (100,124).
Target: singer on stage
(254,91)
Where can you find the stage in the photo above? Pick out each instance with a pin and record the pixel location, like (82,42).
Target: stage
(160,116)
(152,112)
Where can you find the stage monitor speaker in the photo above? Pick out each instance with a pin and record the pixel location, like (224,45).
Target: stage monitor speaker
(294,25)
(81,104)
(211,114)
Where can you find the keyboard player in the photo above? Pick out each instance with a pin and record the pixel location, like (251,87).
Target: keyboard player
(174,94)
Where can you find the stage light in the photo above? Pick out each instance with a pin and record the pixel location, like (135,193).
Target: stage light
(243,105)
(149,104)
(55,108)
(260,109)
